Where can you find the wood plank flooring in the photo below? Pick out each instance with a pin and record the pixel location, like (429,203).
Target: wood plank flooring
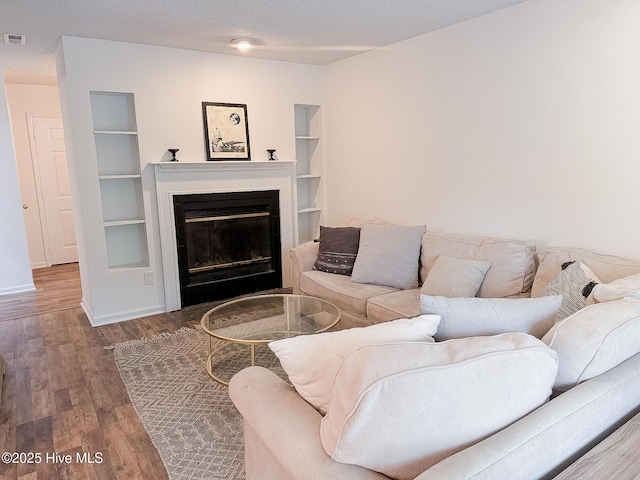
(616,457)
(57,288)
(62,392)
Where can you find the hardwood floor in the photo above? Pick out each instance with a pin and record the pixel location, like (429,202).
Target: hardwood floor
(616,457)
(57,288)
(62,393)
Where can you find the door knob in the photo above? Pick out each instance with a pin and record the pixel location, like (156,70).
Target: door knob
(25,206)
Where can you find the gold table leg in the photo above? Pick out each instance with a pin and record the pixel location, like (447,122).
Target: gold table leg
(209,361)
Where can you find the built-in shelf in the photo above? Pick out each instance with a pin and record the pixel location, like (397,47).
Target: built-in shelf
(128,266)
(118,157)
(308,170)
(115,132)
(117,223)
(118,177)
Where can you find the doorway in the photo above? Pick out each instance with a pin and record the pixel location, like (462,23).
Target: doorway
(51,176)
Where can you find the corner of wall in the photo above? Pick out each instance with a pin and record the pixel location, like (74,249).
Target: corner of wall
(15,274)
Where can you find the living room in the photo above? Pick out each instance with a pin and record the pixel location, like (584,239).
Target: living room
(500,125)
(521,123)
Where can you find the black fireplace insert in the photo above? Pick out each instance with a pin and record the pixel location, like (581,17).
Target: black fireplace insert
(228,244)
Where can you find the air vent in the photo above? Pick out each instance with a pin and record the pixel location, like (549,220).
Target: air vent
(15,39)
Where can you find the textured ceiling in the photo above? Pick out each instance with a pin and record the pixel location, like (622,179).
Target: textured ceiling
(302,31)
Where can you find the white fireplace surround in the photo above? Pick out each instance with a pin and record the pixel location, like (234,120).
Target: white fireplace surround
(183,178)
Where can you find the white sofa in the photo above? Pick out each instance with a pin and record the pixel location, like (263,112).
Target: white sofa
(282,430)
(511,275)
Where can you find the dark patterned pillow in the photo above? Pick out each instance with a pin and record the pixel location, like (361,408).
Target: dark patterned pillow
(337,250)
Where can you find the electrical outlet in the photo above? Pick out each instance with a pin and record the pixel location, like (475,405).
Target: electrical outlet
(148,278)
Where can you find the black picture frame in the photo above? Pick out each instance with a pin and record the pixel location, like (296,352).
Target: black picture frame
(226,131)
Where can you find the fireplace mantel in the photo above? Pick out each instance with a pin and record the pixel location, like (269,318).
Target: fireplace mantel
(221,165)
(183,178)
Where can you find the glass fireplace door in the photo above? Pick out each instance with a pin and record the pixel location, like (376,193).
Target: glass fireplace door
(221,243)
(228,244)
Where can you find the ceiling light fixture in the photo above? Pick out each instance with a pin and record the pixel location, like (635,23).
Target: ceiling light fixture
(241,44)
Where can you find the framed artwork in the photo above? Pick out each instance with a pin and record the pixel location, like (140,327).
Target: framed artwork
(226,131)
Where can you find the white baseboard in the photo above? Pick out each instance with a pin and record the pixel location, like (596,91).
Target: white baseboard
(87,310)
(99,320)
(29,287)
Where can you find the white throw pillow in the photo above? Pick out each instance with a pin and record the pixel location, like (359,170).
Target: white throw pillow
(455,277)
(400,408)
(313,361)
(358,222)
(388,255)
(594,340)
(469,317)
(616,290)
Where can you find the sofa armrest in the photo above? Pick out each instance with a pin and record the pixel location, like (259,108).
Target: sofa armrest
(282,431)
(545,442)
(302,259)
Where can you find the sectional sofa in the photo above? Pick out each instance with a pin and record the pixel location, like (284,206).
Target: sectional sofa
(513,266)
(592,354)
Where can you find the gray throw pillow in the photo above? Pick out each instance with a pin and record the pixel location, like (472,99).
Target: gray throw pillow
(455,277)
(388,255)
(337,250)
(472,317)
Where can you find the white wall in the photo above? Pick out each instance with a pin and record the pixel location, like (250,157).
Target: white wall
(25,100)
(15,269)
(521,123)
(169,86)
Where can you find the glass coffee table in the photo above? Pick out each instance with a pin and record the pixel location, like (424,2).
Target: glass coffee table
(258,320)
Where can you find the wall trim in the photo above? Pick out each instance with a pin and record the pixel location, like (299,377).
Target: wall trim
(97,321)
(28,287)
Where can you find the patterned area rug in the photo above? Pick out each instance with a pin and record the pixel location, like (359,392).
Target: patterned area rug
(189,416)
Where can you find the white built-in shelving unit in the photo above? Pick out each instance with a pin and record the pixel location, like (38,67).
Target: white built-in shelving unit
(308,170)
(123,216)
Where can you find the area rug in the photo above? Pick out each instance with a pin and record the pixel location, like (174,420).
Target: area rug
(189,417)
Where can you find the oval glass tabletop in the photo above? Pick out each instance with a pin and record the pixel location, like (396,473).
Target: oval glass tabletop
(264,318)
(258,320)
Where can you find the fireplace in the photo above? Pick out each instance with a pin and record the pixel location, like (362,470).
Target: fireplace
(227,244)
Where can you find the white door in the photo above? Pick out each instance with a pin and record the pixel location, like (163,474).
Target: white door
(50,160)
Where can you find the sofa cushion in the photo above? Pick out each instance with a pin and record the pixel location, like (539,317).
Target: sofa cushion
(337,250)
(388,255)
(358,222)
(454,394)
(469,317)
(594,340)
(400,304)
(512,261)
(338,289)
(616,290)
(313,361)
(607,267)
(570,282)
(455,277)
